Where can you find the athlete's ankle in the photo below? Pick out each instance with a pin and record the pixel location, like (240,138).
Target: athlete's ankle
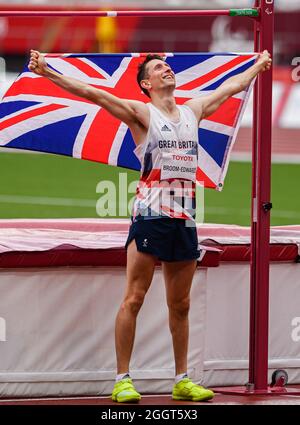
(121,376)
(180,377)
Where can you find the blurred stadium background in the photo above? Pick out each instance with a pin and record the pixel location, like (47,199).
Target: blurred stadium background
(49,186)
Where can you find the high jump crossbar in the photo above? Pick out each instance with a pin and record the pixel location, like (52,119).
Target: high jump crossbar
(251,13)
(263,14)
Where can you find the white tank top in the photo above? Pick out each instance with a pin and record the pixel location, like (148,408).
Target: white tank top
(168,159)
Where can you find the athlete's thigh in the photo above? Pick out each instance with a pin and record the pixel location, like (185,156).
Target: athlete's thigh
(140,268)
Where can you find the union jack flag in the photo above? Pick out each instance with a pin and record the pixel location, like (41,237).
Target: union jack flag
(37,115)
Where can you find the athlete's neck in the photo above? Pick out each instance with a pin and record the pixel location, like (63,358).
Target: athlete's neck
(166,104)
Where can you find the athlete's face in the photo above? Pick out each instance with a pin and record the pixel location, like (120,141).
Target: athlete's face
(159,76)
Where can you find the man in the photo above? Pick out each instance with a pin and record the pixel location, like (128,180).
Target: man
(166,138)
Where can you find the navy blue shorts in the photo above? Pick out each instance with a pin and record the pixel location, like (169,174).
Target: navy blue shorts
(168,239)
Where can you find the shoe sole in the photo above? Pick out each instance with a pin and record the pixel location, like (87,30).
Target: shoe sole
(206,398)
(132,399)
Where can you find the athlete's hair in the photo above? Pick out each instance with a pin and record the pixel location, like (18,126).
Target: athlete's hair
(142,70)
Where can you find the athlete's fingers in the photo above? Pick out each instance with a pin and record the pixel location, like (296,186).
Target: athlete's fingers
(34,54)
(32,64)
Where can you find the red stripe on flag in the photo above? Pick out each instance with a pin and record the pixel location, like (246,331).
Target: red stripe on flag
(227,113)
(102,132)
(127,86)
(202,178)
(29,114)
(215,73)
(181,100)
(100,137)
(84,67)
(40,87)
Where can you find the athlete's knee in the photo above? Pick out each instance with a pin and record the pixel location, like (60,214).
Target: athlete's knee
(179,308)
(134,302)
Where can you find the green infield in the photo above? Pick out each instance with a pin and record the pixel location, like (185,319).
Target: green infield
(49,186)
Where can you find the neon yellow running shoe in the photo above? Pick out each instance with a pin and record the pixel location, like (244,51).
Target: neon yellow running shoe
(187,390)
(124,392)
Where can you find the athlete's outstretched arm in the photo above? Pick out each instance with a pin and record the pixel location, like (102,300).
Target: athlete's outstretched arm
(207,105)
(128,111)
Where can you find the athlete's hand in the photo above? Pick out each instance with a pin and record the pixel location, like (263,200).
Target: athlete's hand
(37,63)
(265,60)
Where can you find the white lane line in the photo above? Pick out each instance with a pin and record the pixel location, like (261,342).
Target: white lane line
(37,200)
(277,158)
(245,212)
(89,203)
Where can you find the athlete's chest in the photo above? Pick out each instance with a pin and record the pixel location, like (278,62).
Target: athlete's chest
(175,150)
(173,133)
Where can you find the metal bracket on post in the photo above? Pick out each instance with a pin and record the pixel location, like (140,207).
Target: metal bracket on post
(267,206)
